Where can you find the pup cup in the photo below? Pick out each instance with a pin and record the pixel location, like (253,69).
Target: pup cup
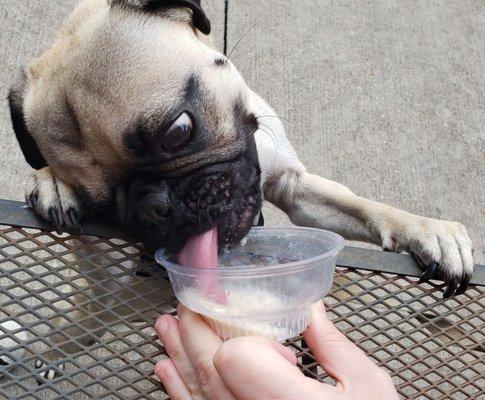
(269,281)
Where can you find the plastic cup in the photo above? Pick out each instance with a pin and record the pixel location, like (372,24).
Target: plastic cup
(271,280)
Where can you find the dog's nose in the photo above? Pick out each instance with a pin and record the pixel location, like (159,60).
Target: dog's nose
(152,208)
(150,202)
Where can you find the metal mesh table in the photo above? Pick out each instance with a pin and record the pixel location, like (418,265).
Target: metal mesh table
(85,304)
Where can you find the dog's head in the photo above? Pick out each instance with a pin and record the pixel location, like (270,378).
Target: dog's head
(133,109)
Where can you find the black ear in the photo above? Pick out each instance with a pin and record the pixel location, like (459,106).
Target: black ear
(26,141)
(201,22)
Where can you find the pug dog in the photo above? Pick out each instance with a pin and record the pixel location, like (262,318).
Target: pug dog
(134,116)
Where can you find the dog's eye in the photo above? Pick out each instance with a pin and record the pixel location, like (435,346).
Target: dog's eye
(179,133)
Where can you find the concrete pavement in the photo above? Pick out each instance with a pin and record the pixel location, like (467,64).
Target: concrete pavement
(385,97)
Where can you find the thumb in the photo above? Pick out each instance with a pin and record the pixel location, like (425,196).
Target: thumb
(252,369)
(336,354)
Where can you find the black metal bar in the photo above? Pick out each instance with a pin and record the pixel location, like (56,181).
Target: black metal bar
(17,214)
(393,263)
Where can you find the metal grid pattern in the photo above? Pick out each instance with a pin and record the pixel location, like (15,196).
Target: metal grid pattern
(85,306)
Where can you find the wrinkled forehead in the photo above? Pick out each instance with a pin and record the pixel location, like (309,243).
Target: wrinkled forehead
(147,61)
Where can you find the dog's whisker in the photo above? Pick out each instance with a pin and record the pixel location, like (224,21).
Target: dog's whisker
(272,135)
(276,116)
(273,139)
(242,37)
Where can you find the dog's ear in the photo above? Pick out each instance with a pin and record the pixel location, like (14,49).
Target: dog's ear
(27,143)
(201,22)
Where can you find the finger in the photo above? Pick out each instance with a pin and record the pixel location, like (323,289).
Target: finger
(337,355)
(171,380)
(201,343)
(284,351)
(168,331)
(251,369)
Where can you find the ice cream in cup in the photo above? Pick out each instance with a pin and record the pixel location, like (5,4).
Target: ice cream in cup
(265,285)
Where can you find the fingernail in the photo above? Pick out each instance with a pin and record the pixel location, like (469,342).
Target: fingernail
(159,370)
(161,325)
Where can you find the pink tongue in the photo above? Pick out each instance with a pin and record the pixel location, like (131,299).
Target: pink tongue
(200,251)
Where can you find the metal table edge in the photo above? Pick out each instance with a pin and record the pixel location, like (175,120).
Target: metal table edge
(18,214)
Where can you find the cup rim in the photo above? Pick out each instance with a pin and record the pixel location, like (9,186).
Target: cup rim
(244,270)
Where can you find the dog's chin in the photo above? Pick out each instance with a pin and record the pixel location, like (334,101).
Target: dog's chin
(232,225)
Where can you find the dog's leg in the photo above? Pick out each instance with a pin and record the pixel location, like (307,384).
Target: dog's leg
(73,337)
(442,247)
(86,314)
(106,298)
(53,200)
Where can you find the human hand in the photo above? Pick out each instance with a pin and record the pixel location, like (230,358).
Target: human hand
(202,367)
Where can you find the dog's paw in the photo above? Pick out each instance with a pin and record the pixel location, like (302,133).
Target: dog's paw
(53,200)
(442,248)
(46,374)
